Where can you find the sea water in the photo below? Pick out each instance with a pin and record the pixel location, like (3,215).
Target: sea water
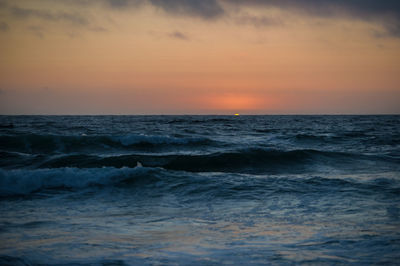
(209,190)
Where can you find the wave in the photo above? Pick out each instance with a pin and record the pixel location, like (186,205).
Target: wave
(22,182)
(33,143)
(240,161)
(358,137)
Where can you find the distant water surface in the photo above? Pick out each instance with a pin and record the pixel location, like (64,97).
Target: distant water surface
(209,190)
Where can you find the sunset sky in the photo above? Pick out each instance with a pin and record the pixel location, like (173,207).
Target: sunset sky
(199,57)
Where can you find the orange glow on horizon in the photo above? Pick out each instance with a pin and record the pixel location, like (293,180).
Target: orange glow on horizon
(234,102)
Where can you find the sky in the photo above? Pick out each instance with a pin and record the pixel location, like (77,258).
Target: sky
(199,57)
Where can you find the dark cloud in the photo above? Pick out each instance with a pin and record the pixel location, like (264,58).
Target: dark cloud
(382,12)
(4,26)
(178,35)
(386,12)
(118,3)
(72,18)
(206,9)
(327,7)
(121,4)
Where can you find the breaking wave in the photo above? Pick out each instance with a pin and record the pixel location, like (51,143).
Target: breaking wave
(242,161)
(20,182)
(34,143)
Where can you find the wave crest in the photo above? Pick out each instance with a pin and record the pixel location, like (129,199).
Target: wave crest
(34,143)
(23,182)
(240,161)
(158,181)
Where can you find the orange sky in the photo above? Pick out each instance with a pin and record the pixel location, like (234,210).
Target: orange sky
(197,57)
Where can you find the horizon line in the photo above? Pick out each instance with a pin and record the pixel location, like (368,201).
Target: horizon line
(233,114)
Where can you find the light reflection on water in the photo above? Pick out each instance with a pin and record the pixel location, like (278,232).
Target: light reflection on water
(165,229)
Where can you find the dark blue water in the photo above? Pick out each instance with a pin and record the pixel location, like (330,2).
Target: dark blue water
(209,190)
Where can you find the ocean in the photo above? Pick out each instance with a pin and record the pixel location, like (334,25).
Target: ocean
(199,190)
